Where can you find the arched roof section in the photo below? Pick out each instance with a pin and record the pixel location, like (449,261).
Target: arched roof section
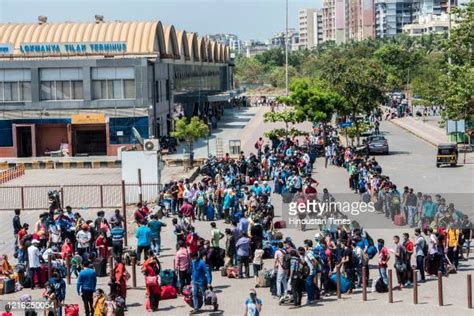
(202,49)
(193,46)
(209,49)
(215,52)
(172,47)
(222,53)
(184,51)
(139,37)
(160,40)
(227,54)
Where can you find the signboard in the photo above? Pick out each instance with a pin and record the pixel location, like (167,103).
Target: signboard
(92,118)
(456,126)
(73,48)
(345,124)
(6,49)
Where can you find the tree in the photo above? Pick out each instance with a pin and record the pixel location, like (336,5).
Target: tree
(458,93)
(288,117)
(190,131)
(249,71)
(359,83)
(312,101)
(277,77)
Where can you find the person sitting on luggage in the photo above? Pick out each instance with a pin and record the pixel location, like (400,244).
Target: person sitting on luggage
(6,267)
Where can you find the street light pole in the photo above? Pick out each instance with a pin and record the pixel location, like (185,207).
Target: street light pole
(286,51)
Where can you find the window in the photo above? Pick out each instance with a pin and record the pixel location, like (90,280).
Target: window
(113,83)
(15,85)
(61,84)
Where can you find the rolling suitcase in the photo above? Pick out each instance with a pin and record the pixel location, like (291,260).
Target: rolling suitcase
(279,224)
(100,267)
(168,277)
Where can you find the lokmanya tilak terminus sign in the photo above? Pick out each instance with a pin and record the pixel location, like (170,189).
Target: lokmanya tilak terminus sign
(67,48)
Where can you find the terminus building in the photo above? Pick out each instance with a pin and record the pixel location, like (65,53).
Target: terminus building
(87,84)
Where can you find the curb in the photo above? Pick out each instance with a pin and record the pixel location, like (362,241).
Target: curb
(426,139)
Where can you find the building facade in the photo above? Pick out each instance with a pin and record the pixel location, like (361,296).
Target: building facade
(392,15)
(428,24)
(306,28)
(361,16)
(318,27)
(88,84)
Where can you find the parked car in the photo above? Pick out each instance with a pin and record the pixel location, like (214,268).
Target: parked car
(377,144)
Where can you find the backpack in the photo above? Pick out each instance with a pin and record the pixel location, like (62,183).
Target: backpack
(425,247)
(380,286)
(395,200)
(256,145)
(286,264)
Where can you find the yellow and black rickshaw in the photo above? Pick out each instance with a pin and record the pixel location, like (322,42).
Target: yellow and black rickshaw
(447,155)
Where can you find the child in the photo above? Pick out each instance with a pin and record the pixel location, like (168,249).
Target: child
(76,265)
(211,298)
(8,308)
(110,307)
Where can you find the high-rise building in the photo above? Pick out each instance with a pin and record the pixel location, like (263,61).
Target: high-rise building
(361,19)
(306,28)
(329,20)
(392,15)
(318,27)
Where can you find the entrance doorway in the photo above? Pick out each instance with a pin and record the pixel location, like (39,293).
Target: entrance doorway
(24,141)
(90,140)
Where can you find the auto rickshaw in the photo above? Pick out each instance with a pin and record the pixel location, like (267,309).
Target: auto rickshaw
(447,155)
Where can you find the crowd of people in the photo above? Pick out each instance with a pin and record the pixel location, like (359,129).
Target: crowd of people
(239,193)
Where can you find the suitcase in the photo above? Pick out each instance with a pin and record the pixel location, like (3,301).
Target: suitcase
(43,275)
(168,292)
(399,220)
(279,224)
(8,286)
(223,271)
(168,277)
(188,296)
(100,267)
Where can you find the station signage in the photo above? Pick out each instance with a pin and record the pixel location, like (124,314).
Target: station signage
(88,118)
(73,48)
(6,49)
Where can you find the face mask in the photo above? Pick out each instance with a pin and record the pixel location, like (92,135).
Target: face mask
(379,246)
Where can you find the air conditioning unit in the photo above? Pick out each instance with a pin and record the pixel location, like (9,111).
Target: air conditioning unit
(151,145)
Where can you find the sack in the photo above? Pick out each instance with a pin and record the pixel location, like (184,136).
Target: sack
(371,251)
(395,200)
(71,310)
(366,197)
(168,277)
(345,283)
(263,278)
(232,272)
(380,286)
(256,145)
(151,280)
(100,267)
(188,296)
(168,292)
(279,224)
(399,220)
(223,271)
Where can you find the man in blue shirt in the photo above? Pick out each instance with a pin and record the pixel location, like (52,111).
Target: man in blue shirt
(201,278)
(155,227)
(86,284)
(117,233)
(60,290)
(143,235)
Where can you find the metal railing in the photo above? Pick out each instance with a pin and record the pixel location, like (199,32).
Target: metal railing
(93,196)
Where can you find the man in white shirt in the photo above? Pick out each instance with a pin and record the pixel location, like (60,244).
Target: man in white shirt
(34,261)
